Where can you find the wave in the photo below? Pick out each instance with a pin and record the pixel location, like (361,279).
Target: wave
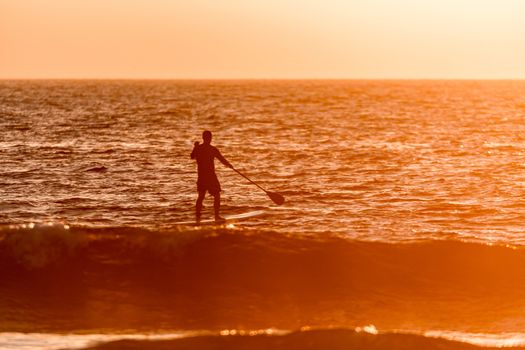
(332,339)
(359,338)
(62,278)
(97,169)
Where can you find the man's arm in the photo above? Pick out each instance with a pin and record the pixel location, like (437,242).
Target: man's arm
(193,153)
(223,160)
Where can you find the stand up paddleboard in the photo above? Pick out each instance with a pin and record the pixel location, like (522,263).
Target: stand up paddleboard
(227,219)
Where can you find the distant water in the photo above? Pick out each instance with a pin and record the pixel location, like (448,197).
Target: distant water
(404,212)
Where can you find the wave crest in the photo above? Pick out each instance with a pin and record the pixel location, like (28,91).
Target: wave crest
(36,246)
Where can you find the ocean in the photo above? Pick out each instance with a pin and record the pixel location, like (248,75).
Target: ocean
(402,226)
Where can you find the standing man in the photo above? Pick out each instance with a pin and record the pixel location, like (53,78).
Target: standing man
(205,155)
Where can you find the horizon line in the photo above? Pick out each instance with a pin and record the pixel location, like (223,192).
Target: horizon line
(271,79)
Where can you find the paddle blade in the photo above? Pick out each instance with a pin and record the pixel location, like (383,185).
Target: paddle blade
(276,197)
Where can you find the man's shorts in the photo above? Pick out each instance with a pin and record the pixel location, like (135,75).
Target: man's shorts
(210,184)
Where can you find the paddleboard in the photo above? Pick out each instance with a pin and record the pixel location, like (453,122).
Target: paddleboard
(227,219)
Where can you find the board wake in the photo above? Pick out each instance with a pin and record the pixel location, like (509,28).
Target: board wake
(227,219)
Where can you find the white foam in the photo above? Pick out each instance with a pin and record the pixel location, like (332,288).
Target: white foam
(43,341)
(53,341)
(481,339)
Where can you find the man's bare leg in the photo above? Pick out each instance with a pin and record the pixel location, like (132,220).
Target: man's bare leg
(198,206)
(217,206)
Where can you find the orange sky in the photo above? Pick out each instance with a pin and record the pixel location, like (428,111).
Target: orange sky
(262,39)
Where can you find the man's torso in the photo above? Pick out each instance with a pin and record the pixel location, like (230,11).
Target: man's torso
(205,156)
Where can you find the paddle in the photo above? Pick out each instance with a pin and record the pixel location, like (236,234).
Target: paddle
(274,196)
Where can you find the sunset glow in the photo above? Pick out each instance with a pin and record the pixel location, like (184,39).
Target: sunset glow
(262,39)
(262,174)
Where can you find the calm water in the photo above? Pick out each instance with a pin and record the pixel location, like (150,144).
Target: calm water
(404,207)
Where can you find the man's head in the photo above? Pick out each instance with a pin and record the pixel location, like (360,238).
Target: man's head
(206,136)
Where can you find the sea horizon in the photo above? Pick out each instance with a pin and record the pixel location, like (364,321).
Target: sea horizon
(488,79)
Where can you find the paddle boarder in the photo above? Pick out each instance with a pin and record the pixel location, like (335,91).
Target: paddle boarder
(207,181)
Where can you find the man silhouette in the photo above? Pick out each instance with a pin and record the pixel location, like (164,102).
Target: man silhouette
(205,155)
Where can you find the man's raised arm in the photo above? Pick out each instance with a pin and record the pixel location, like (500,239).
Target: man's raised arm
(195,145)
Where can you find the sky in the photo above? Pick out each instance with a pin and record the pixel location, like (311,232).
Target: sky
(262,39)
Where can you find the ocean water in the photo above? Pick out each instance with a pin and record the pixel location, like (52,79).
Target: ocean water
(402,226)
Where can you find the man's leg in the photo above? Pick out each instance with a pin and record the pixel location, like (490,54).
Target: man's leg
(198,206)
(217,206)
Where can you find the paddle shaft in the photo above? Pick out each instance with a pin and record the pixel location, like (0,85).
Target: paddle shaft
(246,177)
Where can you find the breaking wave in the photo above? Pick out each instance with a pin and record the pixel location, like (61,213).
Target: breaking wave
(217,278)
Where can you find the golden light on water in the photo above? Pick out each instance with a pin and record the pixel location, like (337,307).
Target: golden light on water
(404,198)
(262,39)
